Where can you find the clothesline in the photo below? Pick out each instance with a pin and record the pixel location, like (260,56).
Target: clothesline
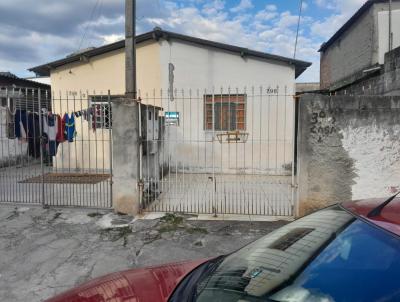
(54,129)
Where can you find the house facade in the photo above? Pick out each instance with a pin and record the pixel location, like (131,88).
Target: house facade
(356,52)
(206,90)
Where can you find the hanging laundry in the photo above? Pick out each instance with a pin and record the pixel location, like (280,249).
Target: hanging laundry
(69,131)
(50,128)
(20,124)
(33,134)
(85,114)
(60,138)
(10,122)
(93,112)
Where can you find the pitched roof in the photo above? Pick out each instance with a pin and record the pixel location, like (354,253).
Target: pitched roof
(8,74)
(7,77)
(157,34)
(367,5)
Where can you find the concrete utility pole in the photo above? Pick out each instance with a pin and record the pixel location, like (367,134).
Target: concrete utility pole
(126,138)
(390,26)
(130,49)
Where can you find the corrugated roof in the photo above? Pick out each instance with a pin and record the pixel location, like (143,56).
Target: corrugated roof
(10,77)
(8,74)
(157,34)
(367,5)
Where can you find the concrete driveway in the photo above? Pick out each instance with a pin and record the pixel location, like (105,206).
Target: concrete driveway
(44,252)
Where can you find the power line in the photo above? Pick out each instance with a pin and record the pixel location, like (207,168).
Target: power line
(298,28)
(87,25)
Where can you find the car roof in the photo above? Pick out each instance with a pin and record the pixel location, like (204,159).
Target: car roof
(388,218)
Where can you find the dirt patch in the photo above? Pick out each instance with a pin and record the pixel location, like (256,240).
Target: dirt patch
(171,223)
(68,178)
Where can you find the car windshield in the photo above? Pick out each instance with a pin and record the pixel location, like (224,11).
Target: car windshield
(326,256)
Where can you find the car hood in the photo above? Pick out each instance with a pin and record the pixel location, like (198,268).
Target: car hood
(139,285)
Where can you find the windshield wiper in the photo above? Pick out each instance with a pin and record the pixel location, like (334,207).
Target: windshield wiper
(377,211)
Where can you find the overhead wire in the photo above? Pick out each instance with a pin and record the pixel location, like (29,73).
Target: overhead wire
(87,25)
(298,29)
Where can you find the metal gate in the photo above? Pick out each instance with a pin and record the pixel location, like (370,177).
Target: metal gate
(55,148)
(218,152)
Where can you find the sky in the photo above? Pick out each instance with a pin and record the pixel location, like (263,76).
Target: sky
(34,32)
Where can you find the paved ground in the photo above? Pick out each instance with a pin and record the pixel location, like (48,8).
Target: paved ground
(15,188)
(232,194)
(44,252)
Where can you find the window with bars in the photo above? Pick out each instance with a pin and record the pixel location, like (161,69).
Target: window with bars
(225,112)
(101,112)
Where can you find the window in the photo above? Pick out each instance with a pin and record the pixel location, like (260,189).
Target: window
(225,112)
(3,102)
(101,112)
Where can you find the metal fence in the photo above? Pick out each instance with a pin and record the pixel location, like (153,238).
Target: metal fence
(55,148)
(219,151)
(225,151)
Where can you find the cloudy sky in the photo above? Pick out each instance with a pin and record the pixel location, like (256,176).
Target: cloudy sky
(34,32)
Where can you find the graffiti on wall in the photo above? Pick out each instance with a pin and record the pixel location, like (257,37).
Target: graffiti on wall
(323,123)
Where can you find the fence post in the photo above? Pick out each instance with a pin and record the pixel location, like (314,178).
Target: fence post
(41,149)
(110,147)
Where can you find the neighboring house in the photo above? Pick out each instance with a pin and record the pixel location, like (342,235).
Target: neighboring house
(41,80)
(307,87)
(17,93)
(194,69)
(356,52)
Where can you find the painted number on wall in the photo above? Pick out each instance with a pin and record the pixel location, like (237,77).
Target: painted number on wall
(322,124)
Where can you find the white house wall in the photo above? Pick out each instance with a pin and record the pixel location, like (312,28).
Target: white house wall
(72,85)
(269,115)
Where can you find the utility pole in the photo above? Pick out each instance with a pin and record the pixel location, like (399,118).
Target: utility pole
(390,26)
(131,95)
(126,191)
(130,49)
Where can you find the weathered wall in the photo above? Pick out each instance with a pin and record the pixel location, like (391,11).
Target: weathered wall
(383,31)
(352,52)
(361,46)
(384,82)
(125,157)
(348,148)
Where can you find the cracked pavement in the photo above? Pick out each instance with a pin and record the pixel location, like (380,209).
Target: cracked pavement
(46,251)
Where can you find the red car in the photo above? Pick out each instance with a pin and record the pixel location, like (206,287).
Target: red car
(346,252)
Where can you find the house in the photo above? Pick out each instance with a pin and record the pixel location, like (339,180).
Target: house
(17,93)
(353,59)
(209,92)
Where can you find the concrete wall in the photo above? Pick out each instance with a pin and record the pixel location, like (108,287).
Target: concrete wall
(350,53)
(360,47)
(348,148)
(383,32)
(269,115)
(385,81)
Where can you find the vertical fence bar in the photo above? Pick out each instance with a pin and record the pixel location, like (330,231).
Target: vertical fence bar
(110,148)
(41,148)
